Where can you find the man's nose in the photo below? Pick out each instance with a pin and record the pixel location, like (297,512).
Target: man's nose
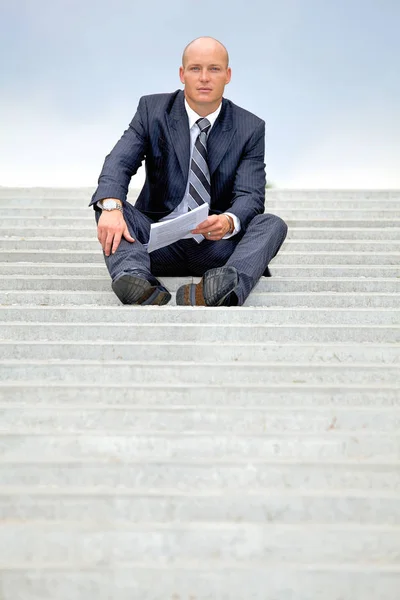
(204,75)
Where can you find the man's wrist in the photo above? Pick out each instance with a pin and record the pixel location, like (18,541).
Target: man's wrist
(230,222)
(110,204)
(117,200)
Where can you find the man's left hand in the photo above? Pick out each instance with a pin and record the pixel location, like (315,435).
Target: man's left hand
(213,228)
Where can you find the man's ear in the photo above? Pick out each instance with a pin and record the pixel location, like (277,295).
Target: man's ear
(182,74)
(228,74)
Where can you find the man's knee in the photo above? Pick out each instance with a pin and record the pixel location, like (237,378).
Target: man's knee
(268,220)
(281,225)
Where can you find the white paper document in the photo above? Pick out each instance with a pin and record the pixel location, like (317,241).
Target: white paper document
(167,232)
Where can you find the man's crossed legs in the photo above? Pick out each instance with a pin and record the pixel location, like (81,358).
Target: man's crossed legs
(229,268)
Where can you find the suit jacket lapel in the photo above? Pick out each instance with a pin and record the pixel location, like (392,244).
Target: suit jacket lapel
(179,130)
(220,136)
(218,141)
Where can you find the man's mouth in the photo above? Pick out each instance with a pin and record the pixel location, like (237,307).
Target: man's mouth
(204,89)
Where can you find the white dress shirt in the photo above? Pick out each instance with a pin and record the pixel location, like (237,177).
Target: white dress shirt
(183,207)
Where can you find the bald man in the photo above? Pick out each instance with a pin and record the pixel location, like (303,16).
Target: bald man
(198,148)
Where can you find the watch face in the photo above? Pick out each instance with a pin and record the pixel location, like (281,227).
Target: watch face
(109,204)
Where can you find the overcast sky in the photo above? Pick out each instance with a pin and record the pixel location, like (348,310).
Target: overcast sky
(324,74)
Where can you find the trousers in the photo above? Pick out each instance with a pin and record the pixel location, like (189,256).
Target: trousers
(250,252)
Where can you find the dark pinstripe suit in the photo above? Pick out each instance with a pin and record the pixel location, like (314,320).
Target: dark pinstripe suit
(159,134)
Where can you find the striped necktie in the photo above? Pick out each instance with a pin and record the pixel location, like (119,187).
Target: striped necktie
(199,175)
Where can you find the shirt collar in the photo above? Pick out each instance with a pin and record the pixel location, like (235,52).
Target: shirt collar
(193,116)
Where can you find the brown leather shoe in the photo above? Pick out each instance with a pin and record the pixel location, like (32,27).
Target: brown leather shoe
(216,288)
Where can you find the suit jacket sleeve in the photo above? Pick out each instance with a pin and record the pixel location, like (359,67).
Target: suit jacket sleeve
(124,159)
(249,186)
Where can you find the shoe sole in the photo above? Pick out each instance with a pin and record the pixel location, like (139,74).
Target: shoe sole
(135,290)
(193,294)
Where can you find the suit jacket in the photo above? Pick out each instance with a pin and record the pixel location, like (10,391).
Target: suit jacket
(159,134)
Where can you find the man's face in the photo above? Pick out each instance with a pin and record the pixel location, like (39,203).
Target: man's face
(205,74)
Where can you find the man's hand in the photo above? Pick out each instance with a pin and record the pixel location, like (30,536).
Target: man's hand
(110,229)
(214,227)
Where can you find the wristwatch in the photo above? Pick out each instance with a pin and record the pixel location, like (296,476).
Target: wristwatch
(111,205)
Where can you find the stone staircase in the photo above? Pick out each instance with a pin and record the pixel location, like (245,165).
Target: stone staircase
(201,454)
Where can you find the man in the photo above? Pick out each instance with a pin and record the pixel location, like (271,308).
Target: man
(198,147)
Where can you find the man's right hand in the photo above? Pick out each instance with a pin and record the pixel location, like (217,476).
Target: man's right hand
(110,229)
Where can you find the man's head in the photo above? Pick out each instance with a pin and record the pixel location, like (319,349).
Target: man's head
(205,71)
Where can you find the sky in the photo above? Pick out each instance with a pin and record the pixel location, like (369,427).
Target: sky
(323,74)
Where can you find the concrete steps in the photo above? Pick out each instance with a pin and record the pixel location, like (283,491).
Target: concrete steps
(188,395)
(381,248)
(241,420)
(360,479)
(304,246)
(86,221)
(203,352)
(252,543)
(133,506)
(175,372)
(189,579)
(297,271)
(348,214)
(320,299)
(302,233)
(151,445)
(286,258)
(191,454)
(98,283)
